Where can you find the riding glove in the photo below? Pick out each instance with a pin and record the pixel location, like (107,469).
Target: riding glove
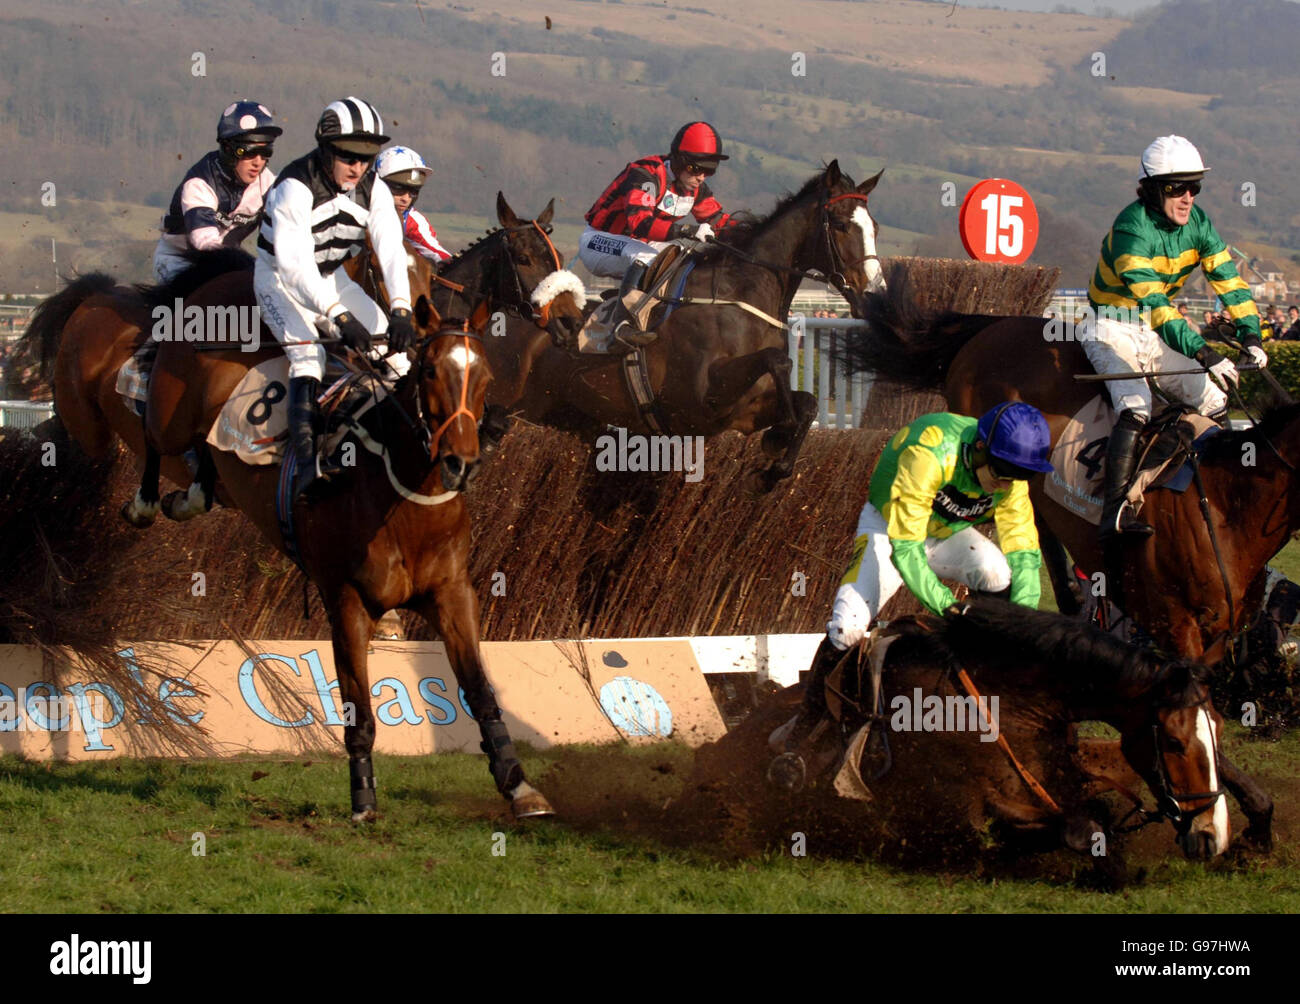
(1257,355)
(401,333)
(353,332)
(1218,366)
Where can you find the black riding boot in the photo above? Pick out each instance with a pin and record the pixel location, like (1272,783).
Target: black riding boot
(303,392)
(625,326)
(1116,518)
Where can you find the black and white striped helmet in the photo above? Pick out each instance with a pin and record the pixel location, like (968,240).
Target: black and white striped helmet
(351,125)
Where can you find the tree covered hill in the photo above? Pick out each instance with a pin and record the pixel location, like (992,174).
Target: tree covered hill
(103,100)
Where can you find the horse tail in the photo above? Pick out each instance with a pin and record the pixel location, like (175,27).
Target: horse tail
(204,266)
(41,339)
(904,343)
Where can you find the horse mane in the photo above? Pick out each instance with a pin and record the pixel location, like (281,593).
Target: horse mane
(204,267)
(464,253)
(906,343)
(1228,443)
(994,629)
(742,233)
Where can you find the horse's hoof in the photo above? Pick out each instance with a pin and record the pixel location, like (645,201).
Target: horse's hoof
(171,502)
(528,803)
(365,816)
(139,520)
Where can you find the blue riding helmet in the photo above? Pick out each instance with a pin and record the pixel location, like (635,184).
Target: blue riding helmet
(1017,439)
(248,120)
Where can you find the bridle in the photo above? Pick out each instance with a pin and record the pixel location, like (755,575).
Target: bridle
(1166,801)
(540,316)
(422,368)
(835,277)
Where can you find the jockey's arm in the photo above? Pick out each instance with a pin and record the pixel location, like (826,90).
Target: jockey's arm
(385,230)
(911,498)
(1231,288)
(708,210)
(422,235)
(199,210)
(289,207)
(642,197)
(1018,538)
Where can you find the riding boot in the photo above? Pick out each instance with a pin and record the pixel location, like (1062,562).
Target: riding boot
(1116,516)
(303,392)
(789,770)
(625,328)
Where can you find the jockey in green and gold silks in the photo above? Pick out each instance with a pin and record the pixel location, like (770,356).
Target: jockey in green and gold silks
(1153,246)
(938,478)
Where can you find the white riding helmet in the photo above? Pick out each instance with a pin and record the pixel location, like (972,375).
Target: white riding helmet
(403,166)
(1172,157)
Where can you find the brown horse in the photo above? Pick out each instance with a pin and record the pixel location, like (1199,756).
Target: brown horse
(716,365)
(1170,583)
(83,335)
(394,534)
(935,766)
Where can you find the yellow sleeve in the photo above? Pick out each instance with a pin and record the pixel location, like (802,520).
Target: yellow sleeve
(1014,518)
(911,497)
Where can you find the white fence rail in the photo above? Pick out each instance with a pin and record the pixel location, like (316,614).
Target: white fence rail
(24,414)
(815,344)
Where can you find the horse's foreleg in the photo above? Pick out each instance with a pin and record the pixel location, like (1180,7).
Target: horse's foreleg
(142,510)
(454,612)
(351,626)
(787,418)
(1254,802)
(182,506)
(1058,569)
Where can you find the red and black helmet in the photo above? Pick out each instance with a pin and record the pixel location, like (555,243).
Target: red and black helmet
(698,140)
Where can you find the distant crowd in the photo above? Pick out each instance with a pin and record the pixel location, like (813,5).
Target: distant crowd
(1281,324)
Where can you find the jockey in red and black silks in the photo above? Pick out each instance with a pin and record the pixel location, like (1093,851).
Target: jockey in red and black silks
(653,201)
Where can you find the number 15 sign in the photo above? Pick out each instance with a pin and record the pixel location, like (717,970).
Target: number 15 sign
(998,222)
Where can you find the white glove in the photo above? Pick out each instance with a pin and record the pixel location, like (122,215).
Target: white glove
(1226,372)
(704,232)
(1257,355)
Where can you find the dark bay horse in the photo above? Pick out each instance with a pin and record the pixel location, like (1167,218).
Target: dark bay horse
(716,365)
(393,534)
(941,774)
(1169,583)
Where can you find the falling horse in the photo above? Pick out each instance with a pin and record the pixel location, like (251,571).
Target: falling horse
(971,726)
(721,359)
(393,535)
(1172,583)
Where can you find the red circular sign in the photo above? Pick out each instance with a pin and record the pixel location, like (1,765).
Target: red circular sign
(998,222)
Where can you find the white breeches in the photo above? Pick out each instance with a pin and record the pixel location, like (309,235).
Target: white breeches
(967,556)
(609,255)
(1121,347)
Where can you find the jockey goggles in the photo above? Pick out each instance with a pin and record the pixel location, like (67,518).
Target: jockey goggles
(348,157)
(1008,471)
(260,150)
(397,189)
(1174,189)
(703,170)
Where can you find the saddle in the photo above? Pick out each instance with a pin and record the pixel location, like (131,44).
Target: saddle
(667,272)
(1172,437)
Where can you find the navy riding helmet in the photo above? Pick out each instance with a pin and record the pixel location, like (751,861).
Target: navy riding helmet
(1017,439)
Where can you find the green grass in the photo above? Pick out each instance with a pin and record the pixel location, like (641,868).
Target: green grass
(118,837)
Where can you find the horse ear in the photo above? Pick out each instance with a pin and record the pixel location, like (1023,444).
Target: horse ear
(505,215)
(833,172)
(870,183)
(426,315)
(478,321)
(546,214)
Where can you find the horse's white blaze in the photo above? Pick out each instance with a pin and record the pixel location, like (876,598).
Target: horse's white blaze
(1208,735)
(875,274)
(556,283)
(462,357)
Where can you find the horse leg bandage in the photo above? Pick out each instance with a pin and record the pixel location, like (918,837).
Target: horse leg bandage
(361,770)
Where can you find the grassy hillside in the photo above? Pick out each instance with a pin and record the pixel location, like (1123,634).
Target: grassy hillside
(113,108)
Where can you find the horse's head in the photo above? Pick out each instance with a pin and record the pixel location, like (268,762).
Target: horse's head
(532,276)
(847,254)
(451,379)
(1176,751)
